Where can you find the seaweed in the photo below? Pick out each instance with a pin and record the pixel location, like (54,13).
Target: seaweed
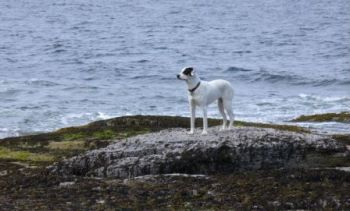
(343,117)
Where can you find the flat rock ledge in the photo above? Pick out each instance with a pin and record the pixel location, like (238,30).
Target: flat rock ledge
(174,151)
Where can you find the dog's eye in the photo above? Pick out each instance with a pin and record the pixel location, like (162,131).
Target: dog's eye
(188,71)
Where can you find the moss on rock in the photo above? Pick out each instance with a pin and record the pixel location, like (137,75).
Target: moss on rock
(343,138)
(20,155)
(67,145)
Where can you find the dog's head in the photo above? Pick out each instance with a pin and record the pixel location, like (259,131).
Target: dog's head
(186,73)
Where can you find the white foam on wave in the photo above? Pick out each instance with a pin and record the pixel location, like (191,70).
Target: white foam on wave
(75,118)
(326,127)
(6,132)
(102,115)
(39,82)
(325,99)
(82,118)
(4,129)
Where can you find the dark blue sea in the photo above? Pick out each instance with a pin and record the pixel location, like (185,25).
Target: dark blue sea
(69,62)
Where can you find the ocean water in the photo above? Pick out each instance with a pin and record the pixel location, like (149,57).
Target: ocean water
(69,62)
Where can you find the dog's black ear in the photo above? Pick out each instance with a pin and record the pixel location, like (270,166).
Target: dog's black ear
(188,71)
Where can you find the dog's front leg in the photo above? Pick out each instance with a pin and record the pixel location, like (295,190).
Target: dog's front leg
(205,121)
(193,116)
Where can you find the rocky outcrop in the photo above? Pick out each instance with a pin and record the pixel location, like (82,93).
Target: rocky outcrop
(343,117)
(174,151)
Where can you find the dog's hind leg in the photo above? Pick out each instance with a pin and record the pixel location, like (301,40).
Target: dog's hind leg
(193,116)
(228,108)
(205,121)
(222,112)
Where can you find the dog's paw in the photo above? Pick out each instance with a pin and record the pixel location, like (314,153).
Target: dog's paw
(205,132)
(191,132)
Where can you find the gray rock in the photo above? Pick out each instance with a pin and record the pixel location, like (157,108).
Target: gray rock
(174,151)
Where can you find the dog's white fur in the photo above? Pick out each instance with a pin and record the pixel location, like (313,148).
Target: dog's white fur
(206,93)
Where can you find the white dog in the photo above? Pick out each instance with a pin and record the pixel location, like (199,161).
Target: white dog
(202,93)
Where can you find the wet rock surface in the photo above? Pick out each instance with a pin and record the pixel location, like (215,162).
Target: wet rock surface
(174,151)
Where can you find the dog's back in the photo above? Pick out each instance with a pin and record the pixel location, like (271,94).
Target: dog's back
(221,89)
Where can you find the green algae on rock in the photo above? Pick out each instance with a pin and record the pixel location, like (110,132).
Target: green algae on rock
(7,154)
(343,138)
(343,117)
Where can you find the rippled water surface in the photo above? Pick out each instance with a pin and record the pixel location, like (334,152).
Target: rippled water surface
(66,62)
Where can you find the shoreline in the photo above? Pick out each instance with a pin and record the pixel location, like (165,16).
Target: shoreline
(313,122)
(99,134)
(28,185)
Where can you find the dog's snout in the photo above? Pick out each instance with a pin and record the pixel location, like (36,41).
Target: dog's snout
(178,76)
